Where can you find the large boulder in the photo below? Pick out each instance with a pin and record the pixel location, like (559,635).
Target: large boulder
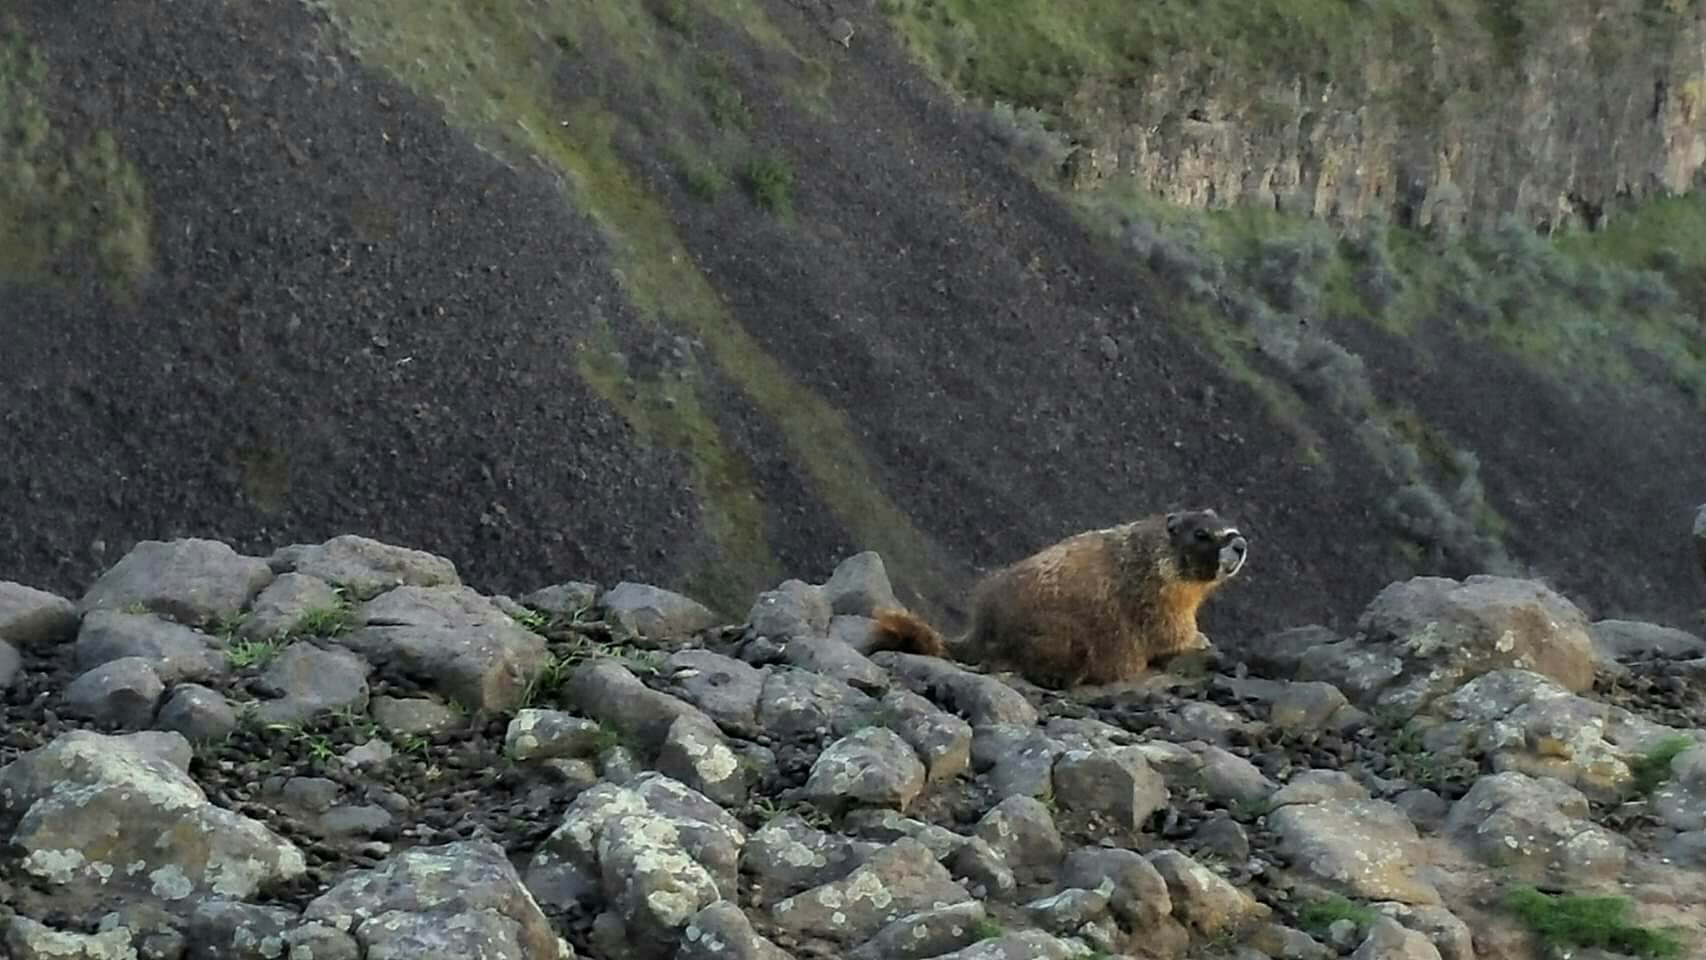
(1424,637)
(194,581)
(452,638)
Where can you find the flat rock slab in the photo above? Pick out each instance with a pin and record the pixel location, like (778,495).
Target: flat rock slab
(194,581)
(452,638)
(1367,848)
(365,567)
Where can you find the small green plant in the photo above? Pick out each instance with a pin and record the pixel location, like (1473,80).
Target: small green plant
(771,178)
(327,621)
(723,98)
(532,620)
(987,929)
(676,15)
(1317,915)
(1584,921)
(227,627)
(252,653)
(549,679)
(412,743)
(1653,767)
(702,179)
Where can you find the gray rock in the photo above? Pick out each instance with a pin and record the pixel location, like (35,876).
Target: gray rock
(942,740)
(853,630)
(722,932)
(726,689)
(1365,848)
(887,826)
(1274,940)
(34,618)
(112,815)
(869,767)
(412,715)
(787,855)
(363,820)
(1536,829)
(369,754)
(654,886)
(1022,831)
(1225,838)
(656,613)
(797,702)
(317,941)
(1202,899)
(1630,640)
(1425,808)
(607,692)
(1449,935)
(27,939)
(903,878)
(454,638)
(1080,733)
(305,681)
(565,600)
(859,586)
(695,752)
(1227,776)
(364,567)
(1422,638)
(986,871)
(1387,940)
(239,931)
(1023,945)
(1700,536)
(1279,654)
(833,658)
(925,934)
(1069,910)
(794,609)
(1141,896)
(1020,760)
(1117,784)
(978,698)
(553,735)
(200,714)
(174,651)
(1210,722)
(194,581)
(1307,706)
(124,692)
(279,608)
(10,665)
(461,899)
(1680,800)
(1316,786)
(312,794)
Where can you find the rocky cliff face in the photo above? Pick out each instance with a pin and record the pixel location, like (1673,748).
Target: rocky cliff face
(1554,116)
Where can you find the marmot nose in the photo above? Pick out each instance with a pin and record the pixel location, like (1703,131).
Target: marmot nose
(1239,545)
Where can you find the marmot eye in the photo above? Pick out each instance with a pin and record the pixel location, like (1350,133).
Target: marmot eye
(1202,535)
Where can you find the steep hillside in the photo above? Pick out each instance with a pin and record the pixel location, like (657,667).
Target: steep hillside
(580,290)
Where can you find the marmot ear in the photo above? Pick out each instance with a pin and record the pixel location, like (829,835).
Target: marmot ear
(1172,523)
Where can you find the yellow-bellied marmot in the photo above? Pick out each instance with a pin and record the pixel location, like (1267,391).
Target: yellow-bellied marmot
(1096,607)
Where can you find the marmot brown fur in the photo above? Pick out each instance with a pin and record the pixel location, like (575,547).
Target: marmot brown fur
(1094,608)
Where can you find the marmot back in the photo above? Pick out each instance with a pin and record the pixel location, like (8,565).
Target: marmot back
(1096,607)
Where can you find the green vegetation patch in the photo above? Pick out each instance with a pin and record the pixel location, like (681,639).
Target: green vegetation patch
(63,203)
(1652,768)
(1584,921)
(1317,915)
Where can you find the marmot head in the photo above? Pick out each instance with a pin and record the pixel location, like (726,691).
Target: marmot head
(1206,546)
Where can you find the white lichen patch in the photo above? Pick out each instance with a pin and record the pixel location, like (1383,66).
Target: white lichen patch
(171,883)
(56,866)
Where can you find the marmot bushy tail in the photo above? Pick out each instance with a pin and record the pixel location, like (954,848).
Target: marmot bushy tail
(1097,607)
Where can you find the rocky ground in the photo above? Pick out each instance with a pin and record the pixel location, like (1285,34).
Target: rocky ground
(342,750)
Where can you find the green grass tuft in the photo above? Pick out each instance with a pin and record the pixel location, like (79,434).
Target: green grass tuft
(1317,915)
(771,179)
(1653,768)
(1585,921)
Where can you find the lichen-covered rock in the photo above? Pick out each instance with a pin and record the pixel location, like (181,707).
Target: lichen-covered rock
(654,887)
(859,586)
(1316,786)
(306,681)
(565,600)
(1424,637)
(453,638)
(1527,723)
(279,608)
(835,659)
(797,702)
(695,752)
(1309,705)
(1229,777)
(1535,828)
(793,610)
(364,567)
(1117,784)
(904,878)
(1141,897)
(112,814)
(609,693)
(1448,934)
(722,932)
(200,714)
(1018,760)
(175,651)
(977,698)
(1022,831)
(653,612)
(925,934)
(459,899)
(1022,945)
(869,767)
(726,689)
(552,734)
(26,939)
(194,581)
(420,715)
(238,931)
(34,618)
(1366,848)
(123,692)
(1388,940)
(1681,798)
(942,740)
(1202,899)
(788,855)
